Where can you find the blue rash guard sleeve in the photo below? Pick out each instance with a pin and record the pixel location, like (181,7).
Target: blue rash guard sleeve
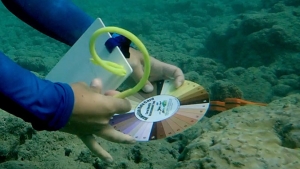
(46,105)
(59,19)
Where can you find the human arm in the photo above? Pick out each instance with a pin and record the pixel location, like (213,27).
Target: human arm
(59,19)
(77,108)
(46,105)
(64,21)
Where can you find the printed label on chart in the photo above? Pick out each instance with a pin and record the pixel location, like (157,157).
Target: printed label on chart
(157,108)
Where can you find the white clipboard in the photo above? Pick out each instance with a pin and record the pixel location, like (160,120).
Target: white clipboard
(75,65)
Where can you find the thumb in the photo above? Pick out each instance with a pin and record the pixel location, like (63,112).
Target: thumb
(148,88)
(137,76)
(96,85)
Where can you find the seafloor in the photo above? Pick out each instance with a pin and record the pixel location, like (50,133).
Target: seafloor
(233,48)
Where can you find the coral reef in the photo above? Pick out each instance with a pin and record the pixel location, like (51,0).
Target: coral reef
(248,137)
(221,90)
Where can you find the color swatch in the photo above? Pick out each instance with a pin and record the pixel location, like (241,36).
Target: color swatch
(164,112)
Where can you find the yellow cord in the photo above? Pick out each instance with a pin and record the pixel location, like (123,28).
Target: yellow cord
(119,69)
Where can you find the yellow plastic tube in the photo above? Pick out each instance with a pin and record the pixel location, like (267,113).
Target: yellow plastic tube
(116,68)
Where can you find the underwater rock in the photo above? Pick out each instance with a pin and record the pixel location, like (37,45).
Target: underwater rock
(35,64)
(85,156)
(22,147)
(279,7)
(287,64)
(13,132)
(295,3)
(192,76)
(248,137)
(281,89)
(201,65)
(254,39)
(255,83)
(136,154)
(221,90)
(255,23)
(18,165)
(290,80)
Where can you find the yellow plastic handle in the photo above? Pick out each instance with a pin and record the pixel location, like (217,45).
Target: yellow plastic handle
(116,68)
(109,66)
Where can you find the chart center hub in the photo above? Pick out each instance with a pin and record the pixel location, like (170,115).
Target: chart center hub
(157,108)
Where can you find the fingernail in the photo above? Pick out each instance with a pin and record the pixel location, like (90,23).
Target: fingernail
(178,84)
(95,83)
(148,88)
(132,141)
(109,160)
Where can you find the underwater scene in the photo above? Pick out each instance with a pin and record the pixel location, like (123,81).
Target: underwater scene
(244,54)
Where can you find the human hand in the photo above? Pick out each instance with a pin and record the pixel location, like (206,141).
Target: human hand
(159,70)
(91,114)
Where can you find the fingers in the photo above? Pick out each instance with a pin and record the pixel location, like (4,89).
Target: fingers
(95,148)
(91,105)
(111,93)
(174,72)
(148,88)
(119,105)
(179,77)
(137,75)
(96,85)
(110,134)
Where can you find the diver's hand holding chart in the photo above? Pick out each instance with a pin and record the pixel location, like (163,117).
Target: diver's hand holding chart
(164,112)
(160,114)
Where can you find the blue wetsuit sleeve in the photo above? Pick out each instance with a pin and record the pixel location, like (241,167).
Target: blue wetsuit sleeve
(59,19)
(46,105)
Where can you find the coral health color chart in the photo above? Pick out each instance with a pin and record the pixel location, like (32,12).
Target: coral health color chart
(164,112)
